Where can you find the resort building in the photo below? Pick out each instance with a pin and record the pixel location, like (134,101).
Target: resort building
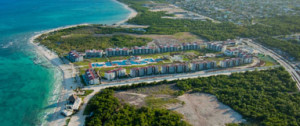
(190,46)
(237,61)
(225,63)
(231,42)
(113,74)
(171,69)
(75,56)
(117,52)
(143,71)
(211,64)
(168,48)
(91,77)
(216,47)
(232,52)
(143,50)
(110,75)
(137,72)
(231,62)
(93,53)
(175,68)
(204,65)
(247,59)
(182,68)
(152,70)
(122,51)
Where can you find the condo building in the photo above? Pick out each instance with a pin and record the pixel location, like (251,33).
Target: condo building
(143,50)
(116,73)
(168,48)
(175,68)
(204,65)
(91,77)
(190,46)
(143,71)
(182,68)
(235,62)
(232,52)
(93,53)
(117,52)
(75,56)
(216,47)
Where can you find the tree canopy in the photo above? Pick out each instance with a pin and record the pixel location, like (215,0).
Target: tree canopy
(107,110)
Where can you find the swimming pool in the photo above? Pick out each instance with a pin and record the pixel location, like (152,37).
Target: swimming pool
(126,62)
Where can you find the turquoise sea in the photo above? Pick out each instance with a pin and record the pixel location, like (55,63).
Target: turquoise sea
(29,84)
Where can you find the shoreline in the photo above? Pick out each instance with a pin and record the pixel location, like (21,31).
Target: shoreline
(133,13)
(67,70)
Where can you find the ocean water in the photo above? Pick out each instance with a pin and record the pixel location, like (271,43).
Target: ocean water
(29,84)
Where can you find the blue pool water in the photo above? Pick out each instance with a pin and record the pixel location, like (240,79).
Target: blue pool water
(29,84)
(126,62)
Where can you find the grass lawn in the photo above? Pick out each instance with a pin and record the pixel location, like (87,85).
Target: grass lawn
(87,92)
(217,58)
(155,102)
(156,90)
(267,59)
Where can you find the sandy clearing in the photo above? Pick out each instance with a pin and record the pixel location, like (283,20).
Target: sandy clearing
(202,109)
(135,99)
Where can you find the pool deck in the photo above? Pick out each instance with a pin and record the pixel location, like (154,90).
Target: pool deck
(124,63)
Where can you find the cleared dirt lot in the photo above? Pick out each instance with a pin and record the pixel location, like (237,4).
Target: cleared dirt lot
(199,109)
(202,109)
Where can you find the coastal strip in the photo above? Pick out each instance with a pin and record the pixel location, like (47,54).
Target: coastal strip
(67,69)
(132,14)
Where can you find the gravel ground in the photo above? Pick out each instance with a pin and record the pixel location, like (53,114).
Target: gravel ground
(202,109)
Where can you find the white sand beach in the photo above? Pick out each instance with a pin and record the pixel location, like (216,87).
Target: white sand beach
(68,83)
(132,14)
(68,70)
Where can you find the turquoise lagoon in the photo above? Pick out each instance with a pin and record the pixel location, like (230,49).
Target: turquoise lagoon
(29,84)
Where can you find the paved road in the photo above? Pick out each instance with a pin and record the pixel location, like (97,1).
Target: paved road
(290,67)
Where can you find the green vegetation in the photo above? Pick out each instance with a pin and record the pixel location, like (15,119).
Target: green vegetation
(269,61)
(232,124)
(67,122)
(158,96)
(155,102)
(81,42)
(267,97)
(217,58)
(211,31)
(158,25)
(107,110)
(219,31)
(156,90)
(87,92)
(284,25)
(286,46)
